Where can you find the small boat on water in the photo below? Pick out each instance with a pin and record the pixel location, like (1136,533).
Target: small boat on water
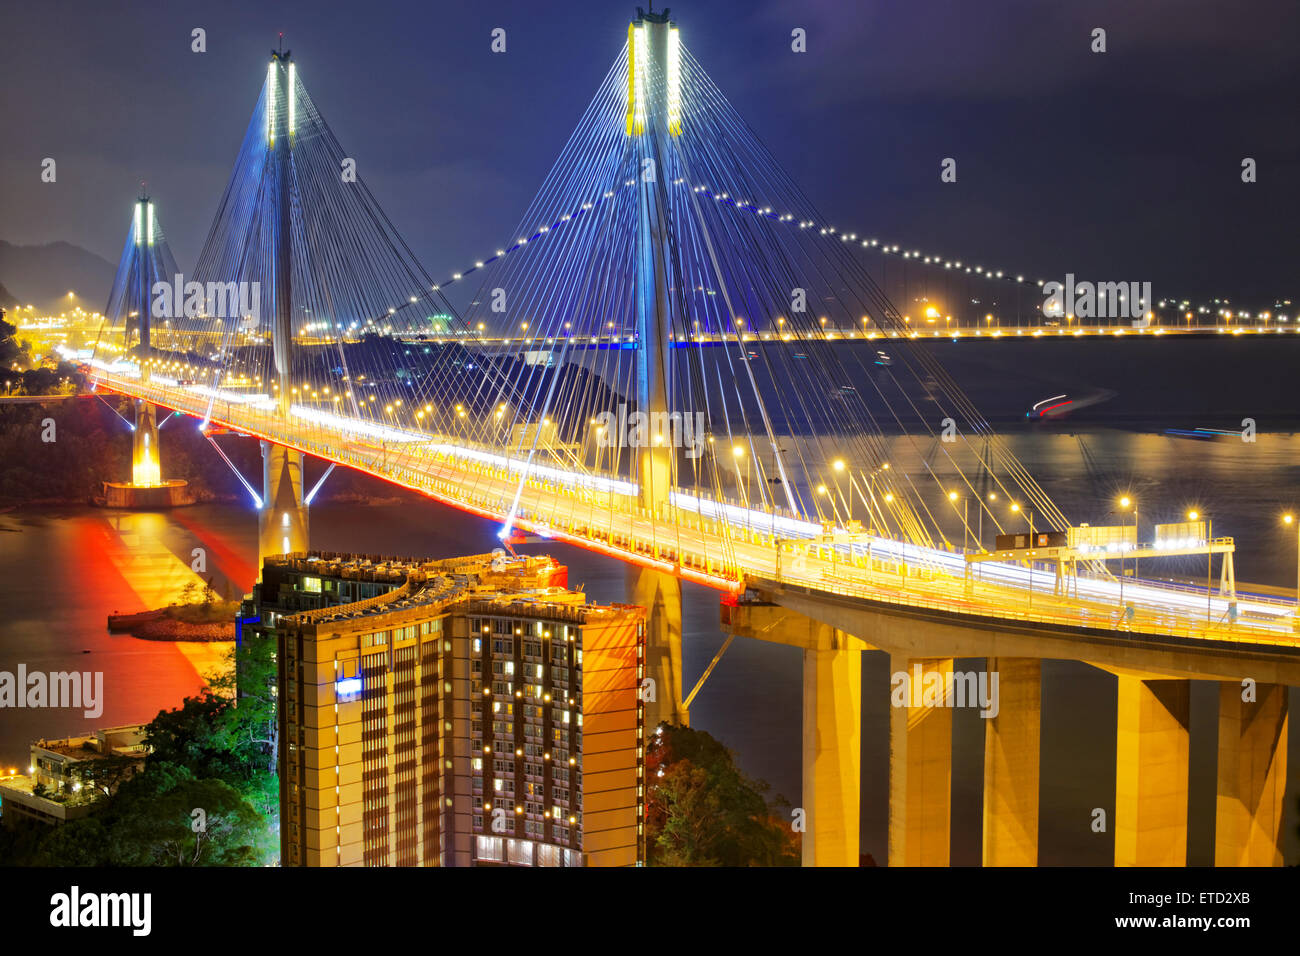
(1203,434)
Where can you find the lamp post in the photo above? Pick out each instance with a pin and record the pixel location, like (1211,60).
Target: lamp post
(1124,503)
(1288,520)
(1193,515)
(965,525)
(993,496)
(825,493)
(837,466)
(737,453)
(1015,509)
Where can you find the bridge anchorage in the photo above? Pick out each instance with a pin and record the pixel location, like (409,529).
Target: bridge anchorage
(645,371)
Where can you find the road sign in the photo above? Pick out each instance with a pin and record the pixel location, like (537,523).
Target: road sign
(1184,534)
(1023,541)
(1110,538)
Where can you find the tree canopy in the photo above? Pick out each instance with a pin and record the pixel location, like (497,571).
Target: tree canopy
(702,810)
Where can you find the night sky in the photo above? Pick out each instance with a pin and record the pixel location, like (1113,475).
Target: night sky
(1117,166)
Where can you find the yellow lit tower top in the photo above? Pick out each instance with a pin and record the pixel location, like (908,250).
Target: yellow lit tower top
(654,74)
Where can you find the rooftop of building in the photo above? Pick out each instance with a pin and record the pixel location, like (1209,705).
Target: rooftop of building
(109,741)
(496,583)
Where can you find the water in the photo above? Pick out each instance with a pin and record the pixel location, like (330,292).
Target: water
(62,571)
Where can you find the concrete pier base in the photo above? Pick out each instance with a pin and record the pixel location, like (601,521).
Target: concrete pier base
(282,522)
(1151,772)
(146,466)
(1011,763)
(1252,775)
(661,595)
(920,771)
(832,752)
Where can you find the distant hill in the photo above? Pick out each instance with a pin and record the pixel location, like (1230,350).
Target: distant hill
(7,301)
(43,275)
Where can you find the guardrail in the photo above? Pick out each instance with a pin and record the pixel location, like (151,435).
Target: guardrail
(980,598)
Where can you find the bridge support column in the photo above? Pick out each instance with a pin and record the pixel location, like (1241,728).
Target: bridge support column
(1252,775)
(832,750)
(920,766)
(1011,761)
(146,463)
(282,522)
(1151,772)
(832,724)
(661,595)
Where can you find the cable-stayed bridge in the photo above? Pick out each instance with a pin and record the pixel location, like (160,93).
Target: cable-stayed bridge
(662,387)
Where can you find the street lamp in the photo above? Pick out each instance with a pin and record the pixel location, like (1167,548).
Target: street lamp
(825,493)
(993,496)
(965,528)
(1015,509)
(1194,515)
(1126,502)
(737,453)
(1288,520)
(838,467)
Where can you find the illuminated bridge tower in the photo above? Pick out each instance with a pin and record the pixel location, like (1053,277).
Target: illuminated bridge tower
(146,466)
(282,521)
(146,260)
(653,119)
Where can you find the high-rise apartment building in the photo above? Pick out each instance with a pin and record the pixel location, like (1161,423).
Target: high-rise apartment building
(451,713)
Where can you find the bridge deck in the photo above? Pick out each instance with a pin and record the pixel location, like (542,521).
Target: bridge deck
(722,545)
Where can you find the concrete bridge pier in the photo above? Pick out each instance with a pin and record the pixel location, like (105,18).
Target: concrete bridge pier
(146,463)
(831,724)
(920,765)
(1011,763)
(661,595)
(1251,775)
(282,522)
(1151,772)
(832,747)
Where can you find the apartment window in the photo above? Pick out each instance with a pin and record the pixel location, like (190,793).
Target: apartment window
(490,849)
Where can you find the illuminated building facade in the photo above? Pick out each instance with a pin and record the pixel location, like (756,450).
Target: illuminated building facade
(453,713)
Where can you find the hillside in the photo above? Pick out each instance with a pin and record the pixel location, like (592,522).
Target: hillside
(42,275)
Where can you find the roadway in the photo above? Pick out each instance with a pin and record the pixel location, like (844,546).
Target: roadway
(720,544)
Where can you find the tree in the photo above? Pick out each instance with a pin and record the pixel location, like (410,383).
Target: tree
(77,843)
(165,830)
(101,776)
(702,810)
(252,722)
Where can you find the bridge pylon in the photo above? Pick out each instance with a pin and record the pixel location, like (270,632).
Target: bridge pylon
(652,50)
(146,465)
(282,521)
(146,260)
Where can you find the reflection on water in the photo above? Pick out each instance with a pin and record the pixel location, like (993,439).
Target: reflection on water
(61,573)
